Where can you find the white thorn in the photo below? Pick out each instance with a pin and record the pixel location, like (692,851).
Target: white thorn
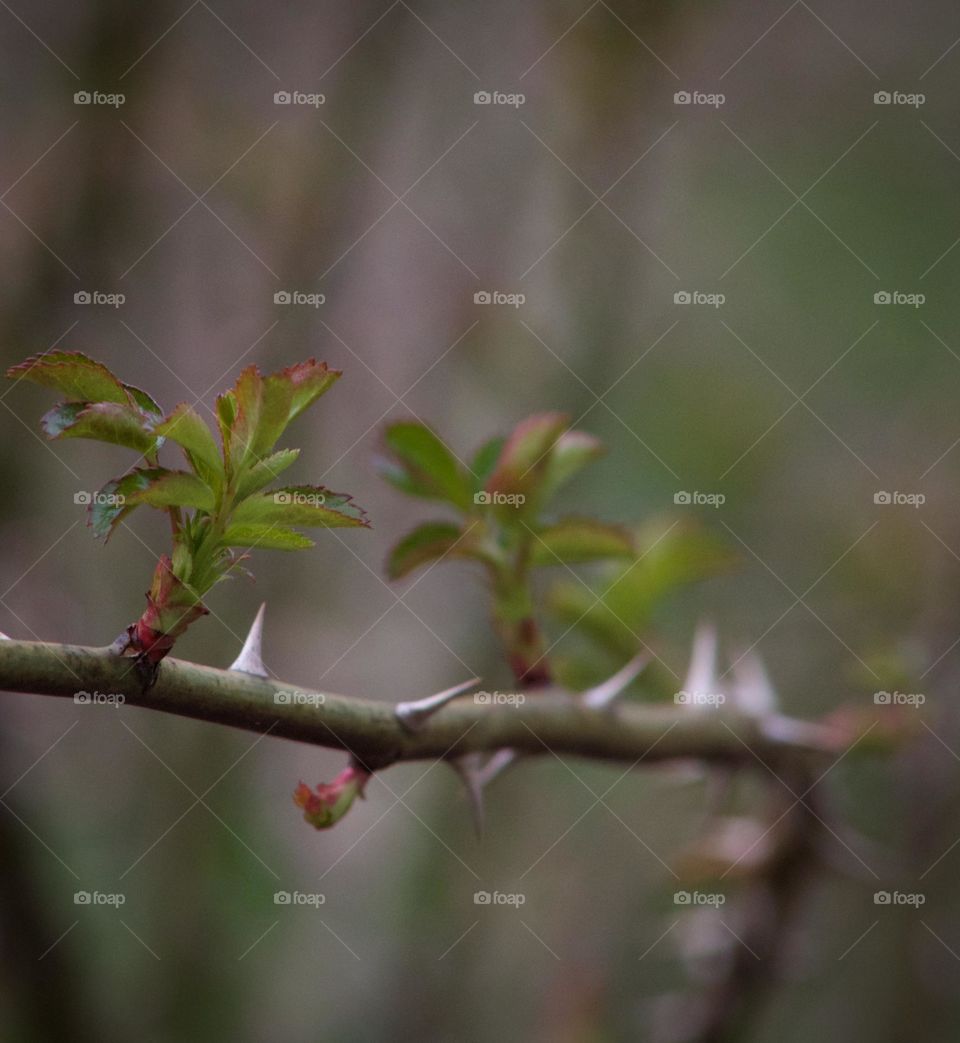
(5,637)
(250,660)
(469,769)
(753,692)
(702,673)
(497,764)
(604,694)
(413,715)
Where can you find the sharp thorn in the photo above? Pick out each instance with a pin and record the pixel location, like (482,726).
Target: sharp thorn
(250,660)
(469,768)
(604,694)
(497,764)
(702,673)
(414,715)
(753,692)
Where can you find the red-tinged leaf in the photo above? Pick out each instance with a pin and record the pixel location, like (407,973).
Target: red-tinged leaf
(577,540)
(275,406)
(426,543)
(269,537)
(171,607)
(264,472)
(572,451)
(331,800)
(78,377)
(54,423)
(174,489)
(423,466)
(111,504)
(300,505)
(226,417)
(309,381)
(248,393)
(185,427)
(526,454)
(143,401)
(105,422)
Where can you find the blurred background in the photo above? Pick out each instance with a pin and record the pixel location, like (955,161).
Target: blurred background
(734,229)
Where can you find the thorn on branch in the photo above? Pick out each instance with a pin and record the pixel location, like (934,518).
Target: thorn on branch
(604,694)
(250,660)
(413,715)
(469,769)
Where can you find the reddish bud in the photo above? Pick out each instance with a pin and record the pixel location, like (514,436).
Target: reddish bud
(331,800)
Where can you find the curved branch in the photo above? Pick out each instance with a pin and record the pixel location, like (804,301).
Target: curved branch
(372,732)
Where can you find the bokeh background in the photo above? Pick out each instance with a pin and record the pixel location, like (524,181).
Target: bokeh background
(598,198)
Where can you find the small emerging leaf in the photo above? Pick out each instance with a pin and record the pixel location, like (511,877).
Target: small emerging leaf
(173,489)
(271,537)
(264,472)
(423,466)
(526,453)
(577,540)
(485,460)
(572,451)
(427,542)
(185,427)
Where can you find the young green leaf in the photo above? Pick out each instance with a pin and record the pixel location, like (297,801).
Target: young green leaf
(578,540)
(185,427)
(270,537)
(485,460)
(173,489)
(265,471)
(426,543)
(300,505)
(423,466)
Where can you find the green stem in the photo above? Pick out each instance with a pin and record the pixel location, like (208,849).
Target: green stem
(371,731)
